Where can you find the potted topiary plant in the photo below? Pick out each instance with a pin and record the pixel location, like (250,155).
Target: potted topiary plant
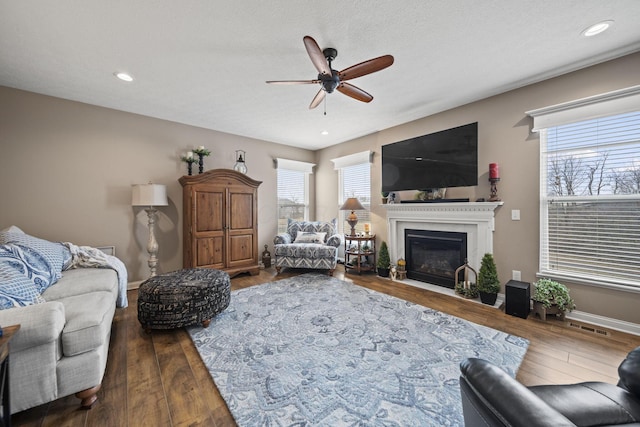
(488,282)
(551,297)
(384,194)
(383,260)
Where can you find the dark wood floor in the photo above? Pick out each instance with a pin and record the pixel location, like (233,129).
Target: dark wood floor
(158,379)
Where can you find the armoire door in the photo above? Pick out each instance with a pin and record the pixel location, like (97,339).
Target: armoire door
(209,228)
(242,242)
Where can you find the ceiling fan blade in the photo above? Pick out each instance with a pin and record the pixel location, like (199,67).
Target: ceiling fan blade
(354,92)
(366,67)
(316,55)
(317,99)
(292,82)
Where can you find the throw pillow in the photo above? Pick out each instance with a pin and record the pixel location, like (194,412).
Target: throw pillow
(12,229)
(16,289)
(29,262)
(53,253)
(309,237)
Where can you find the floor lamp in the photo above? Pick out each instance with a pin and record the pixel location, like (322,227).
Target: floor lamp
(150,195)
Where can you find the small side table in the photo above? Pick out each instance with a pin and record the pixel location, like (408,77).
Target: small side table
(360,253)
(5,413)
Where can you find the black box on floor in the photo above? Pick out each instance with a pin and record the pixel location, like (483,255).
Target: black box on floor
(517,296)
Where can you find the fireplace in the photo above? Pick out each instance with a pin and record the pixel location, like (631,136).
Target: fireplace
(433,256)
(475,219)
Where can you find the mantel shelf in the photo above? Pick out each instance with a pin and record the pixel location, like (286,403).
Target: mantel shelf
(444,206)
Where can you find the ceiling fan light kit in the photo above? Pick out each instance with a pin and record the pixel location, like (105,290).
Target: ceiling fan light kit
(330,79)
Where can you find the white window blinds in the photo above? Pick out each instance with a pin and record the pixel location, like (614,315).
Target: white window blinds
(590,201)
(354,181)
(293,191)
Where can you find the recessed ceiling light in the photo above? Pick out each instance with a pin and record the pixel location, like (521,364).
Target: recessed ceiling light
(597,28)
(123,76)
(325,132)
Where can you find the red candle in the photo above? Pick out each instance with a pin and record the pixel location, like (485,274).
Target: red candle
(494,171)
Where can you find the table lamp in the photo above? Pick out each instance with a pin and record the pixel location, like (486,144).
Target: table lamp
(352,204)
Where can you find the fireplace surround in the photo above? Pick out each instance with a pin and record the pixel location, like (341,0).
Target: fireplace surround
(475,219)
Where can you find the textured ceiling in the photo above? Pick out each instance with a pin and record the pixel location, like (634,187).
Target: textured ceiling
(205,63)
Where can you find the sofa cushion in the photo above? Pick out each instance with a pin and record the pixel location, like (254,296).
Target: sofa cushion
(88,321)
(306,250)
(81,281)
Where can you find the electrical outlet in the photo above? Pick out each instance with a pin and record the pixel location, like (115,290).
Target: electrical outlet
(516,275)
(515,214)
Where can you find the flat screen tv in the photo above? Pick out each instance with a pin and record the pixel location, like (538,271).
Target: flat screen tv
(448,158)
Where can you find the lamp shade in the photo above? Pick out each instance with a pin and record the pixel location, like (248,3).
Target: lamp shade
(352,204)
(149,195)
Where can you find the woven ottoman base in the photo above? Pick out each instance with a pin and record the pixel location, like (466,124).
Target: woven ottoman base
(183,298)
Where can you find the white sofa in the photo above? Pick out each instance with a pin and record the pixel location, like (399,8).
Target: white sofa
(63,341)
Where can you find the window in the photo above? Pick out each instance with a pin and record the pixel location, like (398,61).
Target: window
(354,180)
(590,196)
(293,191)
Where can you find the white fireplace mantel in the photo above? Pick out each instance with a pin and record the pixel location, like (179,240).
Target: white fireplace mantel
(476,219)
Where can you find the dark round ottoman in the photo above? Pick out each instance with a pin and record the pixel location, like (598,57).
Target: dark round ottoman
(183,298)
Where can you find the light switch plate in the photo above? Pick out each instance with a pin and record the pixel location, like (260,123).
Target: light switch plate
(515,214)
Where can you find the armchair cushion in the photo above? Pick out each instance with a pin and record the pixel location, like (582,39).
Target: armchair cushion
(306,250)
(328,227)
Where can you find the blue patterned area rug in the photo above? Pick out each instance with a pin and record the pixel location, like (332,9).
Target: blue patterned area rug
(317,351)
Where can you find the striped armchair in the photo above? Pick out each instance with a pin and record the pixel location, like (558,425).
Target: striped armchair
(308,244)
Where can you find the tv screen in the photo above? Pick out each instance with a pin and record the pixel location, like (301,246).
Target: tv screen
(448,158)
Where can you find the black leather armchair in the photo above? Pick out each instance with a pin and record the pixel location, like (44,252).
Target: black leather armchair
(490,397)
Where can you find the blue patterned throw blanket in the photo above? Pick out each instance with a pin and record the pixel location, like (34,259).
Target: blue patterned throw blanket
(318,351)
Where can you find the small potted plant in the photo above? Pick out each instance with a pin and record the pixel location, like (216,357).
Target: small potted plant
(488,282)
(385,194)
(384,261)
(551,297)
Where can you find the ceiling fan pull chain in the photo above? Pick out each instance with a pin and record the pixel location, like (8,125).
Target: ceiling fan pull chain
(325,105)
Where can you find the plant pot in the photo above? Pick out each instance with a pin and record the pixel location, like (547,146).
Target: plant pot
(383,272)
(542,312)
(488,298)
(384,200)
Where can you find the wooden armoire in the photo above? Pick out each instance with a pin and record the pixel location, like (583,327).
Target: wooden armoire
(220,223)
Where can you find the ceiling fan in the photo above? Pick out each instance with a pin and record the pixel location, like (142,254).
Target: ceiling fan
(330,79)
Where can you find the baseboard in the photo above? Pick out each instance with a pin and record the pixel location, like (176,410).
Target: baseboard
(578,316)
(134,285)
(605,322)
